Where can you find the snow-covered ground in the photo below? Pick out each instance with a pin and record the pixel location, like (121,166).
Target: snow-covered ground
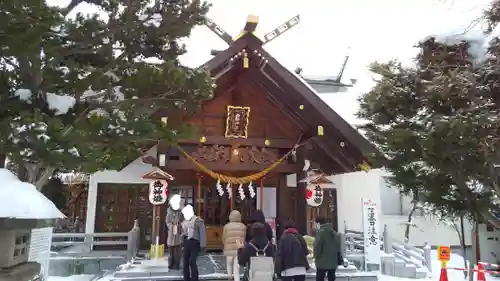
(456,261)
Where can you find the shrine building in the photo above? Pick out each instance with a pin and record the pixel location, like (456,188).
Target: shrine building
(264,127)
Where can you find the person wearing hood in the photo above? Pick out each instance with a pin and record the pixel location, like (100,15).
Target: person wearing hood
(258,216)
(194,231)
(327,255)
(173,222)
(291,257)
(258,246)
(233,235)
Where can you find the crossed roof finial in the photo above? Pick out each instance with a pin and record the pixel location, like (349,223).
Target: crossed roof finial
(250,27)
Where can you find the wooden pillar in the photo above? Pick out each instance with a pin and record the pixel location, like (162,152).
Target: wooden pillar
(301,210)
(281,203)
(163,214)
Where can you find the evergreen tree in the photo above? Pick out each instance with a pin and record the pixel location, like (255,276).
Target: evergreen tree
(438,126)
(84,92)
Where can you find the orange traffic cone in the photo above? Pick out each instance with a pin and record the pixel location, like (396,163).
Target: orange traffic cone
(444,274)
(480,273)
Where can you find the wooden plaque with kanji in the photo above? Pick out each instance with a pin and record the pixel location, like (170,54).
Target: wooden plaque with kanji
(237,121)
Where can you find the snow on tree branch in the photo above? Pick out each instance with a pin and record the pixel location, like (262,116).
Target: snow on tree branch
(78,92)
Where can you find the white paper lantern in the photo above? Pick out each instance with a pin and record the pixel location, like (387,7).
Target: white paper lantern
(314,195)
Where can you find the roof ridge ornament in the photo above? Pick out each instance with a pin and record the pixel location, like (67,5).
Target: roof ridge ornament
(250,27)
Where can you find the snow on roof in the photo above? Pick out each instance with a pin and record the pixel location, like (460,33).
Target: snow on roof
(21,200)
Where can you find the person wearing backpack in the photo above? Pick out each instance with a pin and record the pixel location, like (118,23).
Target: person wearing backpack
(258,216)
(258,255)
(291,257)
(327,255)
(233,235)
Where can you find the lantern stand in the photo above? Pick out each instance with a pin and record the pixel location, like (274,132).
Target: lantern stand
(158,194)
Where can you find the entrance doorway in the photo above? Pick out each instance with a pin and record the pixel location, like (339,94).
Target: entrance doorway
(215,209)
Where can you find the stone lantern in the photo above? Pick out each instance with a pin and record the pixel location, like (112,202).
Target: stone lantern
(23,209)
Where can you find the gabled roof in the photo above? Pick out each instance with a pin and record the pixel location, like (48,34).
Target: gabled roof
(339,136)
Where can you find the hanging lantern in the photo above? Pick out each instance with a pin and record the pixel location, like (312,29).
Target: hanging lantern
(164,121)
(203,139)
(267,142)
(301,107)
(320,130)
(314,195)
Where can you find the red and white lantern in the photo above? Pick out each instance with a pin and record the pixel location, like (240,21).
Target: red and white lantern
(158,192)
(314,195)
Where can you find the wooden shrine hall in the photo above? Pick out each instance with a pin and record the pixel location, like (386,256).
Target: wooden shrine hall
(264,124)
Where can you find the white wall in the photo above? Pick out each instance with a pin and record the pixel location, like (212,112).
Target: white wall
(428,230)
(351,188)
(393,211)
(489,244)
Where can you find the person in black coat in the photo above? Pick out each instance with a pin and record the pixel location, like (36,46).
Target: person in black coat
(260,241)
(258,216)
(291,262)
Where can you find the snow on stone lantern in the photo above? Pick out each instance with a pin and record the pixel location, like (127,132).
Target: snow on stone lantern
(26,221)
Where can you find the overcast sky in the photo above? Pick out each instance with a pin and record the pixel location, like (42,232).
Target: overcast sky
(373,30)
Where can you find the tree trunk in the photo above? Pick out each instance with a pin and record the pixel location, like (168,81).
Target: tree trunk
(3,158)
(408,225)
(460,238)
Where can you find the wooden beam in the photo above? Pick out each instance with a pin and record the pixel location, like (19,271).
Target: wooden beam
(185,164)
(301,212)
(251,24)
(211,140)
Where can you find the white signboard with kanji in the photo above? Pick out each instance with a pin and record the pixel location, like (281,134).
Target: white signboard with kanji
(371,231)
(158,191)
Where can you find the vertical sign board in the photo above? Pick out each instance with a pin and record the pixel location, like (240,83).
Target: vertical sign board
(371,231)
(41,238)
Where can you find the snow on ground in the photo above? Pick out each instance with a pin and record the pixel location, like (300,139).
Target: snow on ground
(71,278)
(21,200)
(453,275)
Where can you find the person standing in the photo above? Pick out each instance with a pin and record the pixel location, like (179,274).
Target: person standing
(173,222)
(291,257)
(257,255)
(327,255)
(194,242)
(258,216)
(233,235)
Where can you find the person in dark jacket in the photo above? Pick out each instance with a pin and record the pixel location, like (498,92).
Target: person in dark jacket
(291,257)
(327,255)
(260,241)
(258,216)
